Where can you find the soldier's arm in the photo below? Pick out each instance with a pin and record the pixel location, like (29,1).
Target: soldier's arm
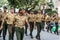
(3,21)
(14,21)
(27,23)
(42,17)
(35,22)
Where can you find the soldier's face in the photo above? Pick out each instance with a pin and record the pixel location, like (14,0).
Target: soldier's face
(12,10)
(4,10)
(31,13)
(39,11)
(23,11)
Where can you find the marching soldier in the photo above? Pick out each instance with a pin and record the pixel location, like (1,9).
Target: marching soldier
(47,21)
(31,22)
(0,23)
(10,23)
(4,25)
(26,26)
(56,22)
(43,22)
(20,20)
(38,23)
(52,23)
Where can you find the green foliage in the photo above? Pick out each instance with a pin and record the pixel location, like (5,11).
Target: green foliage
(3,2)
(30,4)
(23,3)
(50,5)
(50,12)
(13,3)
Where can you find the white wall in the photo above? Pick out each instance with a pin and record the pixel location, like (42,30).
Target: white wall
(59,11)
(56,3)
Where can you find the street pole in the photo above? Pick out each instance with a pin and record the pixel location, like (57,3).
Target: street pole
(43,5)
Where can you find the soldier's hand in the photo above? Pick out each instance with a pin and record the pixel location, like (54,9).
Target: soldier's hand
(10,30)
(34,27)
(29,27)
(1,28)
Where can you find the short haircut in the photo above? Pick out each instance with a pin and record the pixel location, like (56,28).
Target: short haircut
(4,7)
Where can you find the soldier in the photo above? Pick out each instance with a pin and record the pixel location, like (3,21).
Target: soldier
(31,22)
(39,24)
(26,26)
(10,21)
(20,20)
(4,23)
(0,22)
(43,22)
(56,22)
(52,24)
(47,21)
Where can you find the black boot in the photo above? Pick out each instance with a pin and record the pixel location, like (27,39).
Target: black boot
(31,36)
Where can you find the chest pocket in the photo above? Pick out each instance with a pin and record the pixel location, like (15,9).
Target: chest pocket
(19,20)
(10,17)
(32,17)
(39,17)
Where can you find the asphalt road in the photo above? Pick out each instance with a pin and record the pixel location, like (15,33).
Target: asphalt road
(44,36)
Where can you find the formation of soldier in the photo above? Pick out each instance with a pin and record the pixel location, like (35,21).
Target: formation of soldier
(16,22)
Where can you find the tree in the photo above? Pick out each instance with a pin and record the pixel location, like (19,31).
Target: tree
(3,3)
(28,3)
(23,3)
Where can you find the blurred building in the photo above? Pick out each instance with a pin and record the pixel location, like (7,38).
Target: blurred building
(57,5)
